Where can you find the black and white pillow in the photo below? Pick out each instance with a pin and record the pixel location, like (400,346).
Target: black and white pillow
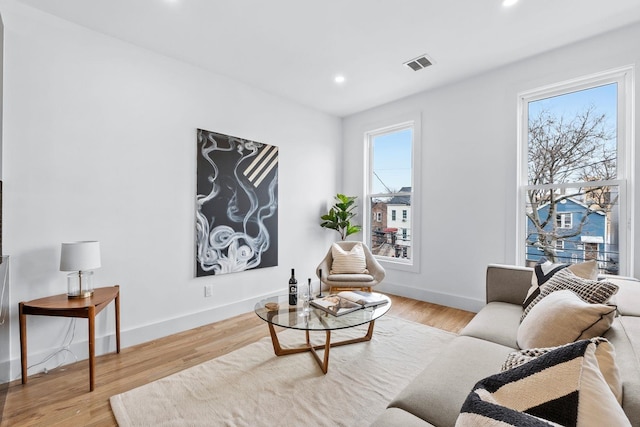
(591,291)
(561,387)
(544,270)
(605,354)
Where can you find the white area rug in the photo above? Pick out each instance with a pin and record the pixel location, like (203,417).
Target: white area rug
(253,387)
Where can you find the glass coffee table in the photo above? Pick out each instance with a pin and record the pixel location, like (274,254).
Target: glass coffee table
(314,319)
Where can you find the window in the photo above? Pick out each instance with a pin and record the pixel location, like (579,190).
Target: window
(575,169)
(378,216)
(563,220)
(390,183)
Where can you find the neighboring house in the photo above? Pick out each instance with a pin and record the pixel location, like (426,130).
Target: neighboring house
(391,227)
(378,223)
(399,224)
(590,242)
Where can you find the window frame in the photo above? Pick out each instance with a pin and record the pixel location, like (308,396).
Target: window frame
(625,127)
(562,222)
(410,120)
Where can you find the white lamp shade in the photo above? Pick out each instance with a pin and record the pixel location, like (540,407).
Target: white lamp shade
(80,256)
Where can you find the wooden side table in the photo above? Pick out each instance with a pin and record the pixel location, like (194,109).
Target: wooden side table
(61,305)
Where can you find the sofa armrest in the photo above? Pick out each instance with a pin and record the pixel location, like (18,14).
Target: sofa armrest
(508,283)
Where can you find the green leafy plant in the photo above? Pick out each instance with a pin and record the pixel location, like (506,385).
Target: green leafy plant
(340,215)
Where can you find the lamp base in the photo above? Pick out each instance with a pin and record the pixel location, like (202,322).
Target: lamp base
(82,295)
(80,284)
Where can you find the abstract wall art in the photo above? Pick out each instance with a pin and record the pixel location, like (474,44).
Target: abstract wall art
(236,204)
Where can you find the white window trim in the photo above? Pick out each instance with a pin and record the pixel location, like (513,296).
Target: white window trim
(624,76)
(563,216)
(411,119)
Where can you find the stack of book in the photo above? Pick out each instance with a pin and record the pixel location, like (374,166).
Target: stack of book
(347,301)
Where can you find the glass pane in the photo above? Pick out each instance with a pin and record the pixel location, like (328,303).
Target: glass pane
(391,237)
(573,225)
(573,137)
(392,162)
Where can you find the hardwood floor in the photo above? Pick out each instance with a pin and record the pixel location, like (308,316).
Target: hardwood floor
(62,397)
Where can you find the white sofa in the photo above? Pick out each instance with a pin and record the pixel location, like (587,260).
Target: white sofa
(436,395)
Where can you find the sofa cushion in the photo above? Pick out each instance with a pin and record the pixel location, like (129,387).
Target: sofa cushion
(437,393)
(562,317)
(605,354)
(592,291)
(624,334)
(497,322)
(399,417)
(351,261)
(564,386)
(628,295)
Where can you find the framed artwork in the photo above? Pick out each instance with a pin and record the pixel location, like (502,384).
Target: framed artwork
(236,204)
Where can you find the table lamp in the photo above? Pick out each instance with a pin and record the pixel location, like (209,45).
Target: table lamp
(80,257)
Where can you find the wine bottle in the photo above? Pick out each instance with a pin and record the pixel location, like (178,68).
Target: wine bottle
(293,289)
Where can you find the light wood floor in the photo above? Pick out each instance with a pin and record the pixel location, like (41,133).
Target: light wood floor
(62,397)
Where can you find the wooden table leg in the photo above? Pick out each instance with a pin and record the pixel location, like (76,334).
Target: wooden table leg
(118,320)
(23,342)
(92,346)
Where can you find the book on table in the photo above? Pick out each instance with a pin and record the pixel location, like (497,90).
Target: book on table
(347,301)
(365,299)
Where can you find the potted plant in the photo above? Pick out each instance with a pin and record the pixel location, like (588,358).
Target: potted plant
(339,216)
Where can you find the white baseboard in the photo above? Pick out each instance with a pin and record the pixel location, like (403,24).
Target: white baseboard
(456,301)
(129,337)
(144,333)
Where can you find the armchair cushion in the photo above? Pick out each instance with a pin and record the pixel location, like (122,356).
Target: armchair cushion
(348,261)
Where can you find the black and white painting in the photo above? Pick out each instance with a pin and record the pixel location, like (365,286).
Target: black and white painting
(237,204)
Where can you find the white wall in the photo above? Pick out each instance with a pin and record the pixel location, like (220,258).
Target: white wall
(469,165)
(100,143)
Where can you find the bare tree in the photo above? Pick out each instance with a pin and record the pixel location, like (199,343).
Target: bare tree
(562,150)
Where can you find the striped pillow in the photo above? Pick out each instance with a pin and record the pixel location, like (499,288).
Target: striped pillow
(605,354)
(562,387)
(591,291)
(348,262)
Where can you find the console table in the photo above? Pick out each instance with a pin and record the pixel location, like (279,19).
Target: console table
(61,305)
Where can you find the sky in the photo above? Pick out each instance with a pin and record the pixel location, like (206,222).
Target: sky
(602,97)
(392,161)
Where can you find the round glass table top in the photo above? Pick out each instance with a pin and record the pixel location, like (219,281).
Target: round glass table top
(315,319)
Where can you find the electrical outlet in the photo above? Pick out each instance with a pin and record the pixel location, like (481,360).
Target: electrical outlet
(208,291)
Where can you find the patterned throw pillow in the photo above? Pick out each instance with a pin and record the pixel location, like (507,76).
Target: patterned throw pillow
(592,291)
(349,262)
(605,354)
(561,387)
(545,270)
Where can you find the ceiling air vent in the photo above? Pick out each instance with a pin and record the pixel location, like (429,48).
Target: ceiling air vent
(419,63)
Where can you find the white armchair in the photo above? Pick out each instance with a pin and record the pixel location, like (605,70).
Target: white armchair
(358,274)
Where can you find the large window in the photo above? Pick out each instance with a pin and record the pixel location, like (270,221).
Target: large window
(575,172)
(390,189)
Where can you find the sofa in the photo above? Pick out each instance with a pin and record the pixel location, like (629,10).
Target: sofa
(437,394)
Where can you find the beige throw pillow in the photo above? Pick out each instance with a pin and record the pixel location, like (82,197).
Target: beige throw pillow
(348,262)
(563,317)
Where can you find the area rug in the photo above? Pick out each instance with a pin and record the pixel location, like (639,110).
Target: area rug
(253,387)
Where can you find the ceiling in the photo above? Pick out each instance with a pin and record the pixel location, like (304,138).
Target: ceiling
(294,48)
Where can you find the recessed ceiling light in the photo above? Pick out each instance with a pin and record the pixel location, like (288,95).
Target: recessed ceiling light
(507,3)
(339,79)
